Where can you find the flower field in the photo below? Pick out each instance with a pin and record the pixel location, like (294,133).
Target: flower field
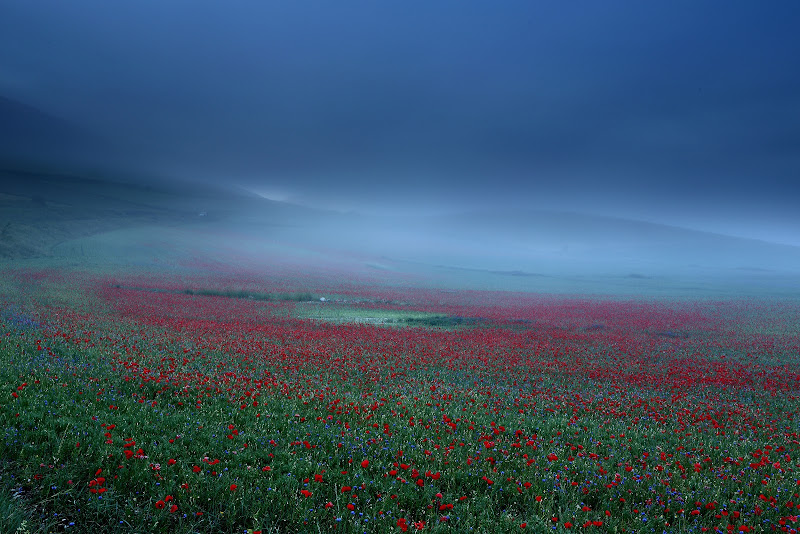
(129,404)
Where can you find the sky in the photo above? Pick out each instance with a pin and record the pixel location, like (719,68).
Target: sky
(684,112)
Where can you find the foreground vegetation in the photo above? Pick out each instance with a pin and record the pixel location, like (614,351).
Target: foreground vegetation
(166,410)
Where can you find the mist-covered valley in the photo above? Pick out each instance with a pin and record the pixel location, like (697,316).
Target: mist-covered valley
(79,221)
(367,267)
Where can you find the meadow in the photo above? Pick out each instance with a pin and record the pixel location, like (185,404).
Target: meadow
(140,402)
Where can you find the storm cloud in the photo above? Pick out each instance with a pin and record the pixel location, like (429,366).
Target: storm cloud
(686,113)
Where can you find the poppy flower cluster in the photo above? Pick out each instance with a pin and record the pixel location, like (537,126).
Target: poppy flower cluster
(529,410)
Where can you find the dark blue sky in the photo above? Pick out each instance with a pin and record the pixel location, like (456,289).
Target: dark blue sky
(685,112)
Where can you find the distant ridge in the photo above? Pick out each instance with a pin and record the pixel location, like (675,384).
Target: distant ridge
(38,210)
(41,208)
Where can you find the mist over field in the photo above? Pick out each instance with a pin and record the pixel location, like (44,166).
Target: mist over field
(399,267)
(80,223)
(607,148)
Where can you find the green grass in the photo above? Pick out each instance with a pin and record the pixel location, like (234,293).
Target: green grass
(14,518)
(337,313)
(53,433)
(56,448)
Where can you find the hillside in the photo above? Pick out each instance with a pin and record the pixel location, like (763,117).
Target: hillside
(147,222)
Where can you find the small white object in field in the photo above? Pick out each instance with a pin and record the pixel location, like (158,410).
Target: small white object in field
(322,299)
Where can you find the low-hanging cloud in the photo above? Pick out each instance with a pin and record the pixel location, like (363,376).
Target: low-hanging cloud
(611,108)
